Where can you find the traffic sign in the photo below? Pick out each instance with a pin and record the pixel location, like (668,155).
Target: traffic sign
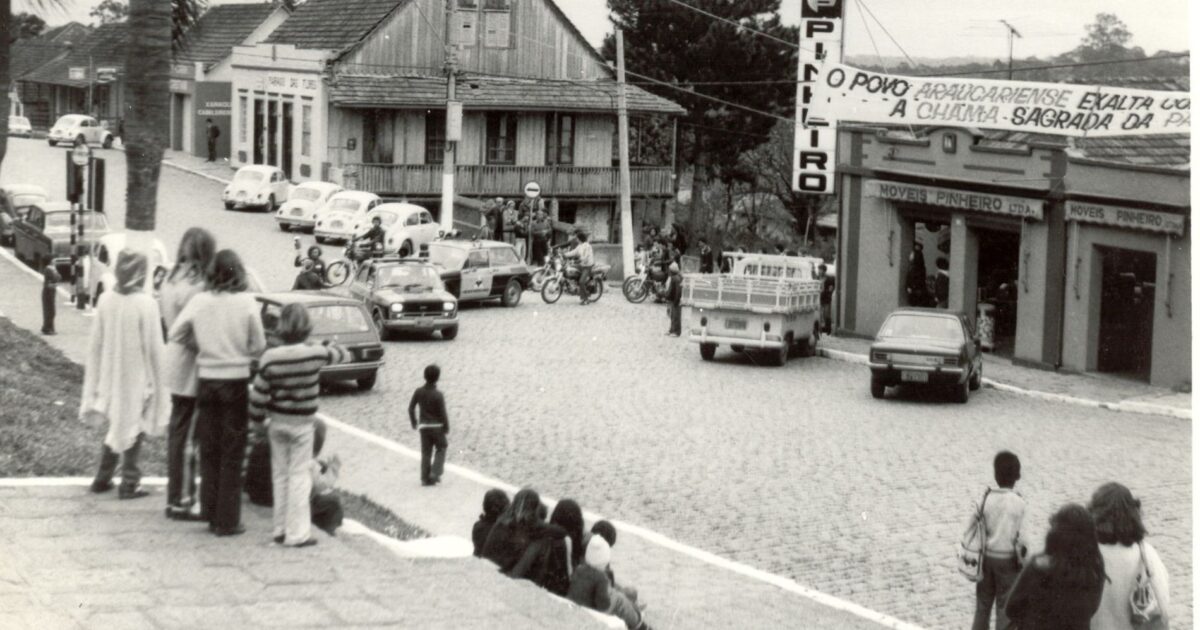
(81,154)
(77,73)
(106,74)
(532,190)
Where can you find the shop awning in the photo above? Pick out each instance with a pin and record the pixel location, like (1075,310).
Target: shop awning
(492,93)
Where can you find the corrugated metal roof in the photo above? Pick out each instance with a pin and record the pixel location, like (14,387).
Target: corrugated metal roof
(220,29)
(493,93)
(332,24)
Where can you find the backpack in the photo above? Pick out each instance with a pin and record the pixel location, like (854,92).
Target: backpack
(973,544)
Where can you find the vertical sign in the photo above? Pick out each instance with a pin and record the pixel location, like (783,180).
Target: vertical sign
(813,155)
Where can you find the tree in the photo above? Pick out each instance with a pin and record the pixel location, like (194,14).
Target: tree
(25,26)
(1107,34)
(771,162)
(110,11)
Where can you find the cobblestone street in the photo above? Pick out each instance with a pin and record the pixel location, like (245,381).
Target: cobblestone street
(792,470)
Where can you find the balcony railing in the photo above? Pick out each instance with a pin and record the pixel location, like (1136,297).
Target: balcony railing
(555,181)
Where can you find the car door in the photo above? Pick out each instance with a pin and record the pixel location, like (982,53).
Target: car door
(476,276)
(360,288)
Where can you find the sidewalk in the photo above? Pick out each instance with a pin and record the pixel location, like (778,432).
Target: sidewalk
(1089,389)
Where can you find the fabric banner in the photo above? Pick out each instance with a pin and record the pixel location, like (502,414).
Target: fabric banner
(845,93)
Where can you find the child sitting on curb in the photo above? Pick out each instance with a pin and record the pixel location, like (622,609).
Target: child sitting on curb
(494,504)
(590,586)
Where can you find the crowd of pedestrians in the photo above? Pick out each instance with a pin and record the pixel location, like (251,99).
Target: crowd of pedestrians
(1096,570)
(556,554)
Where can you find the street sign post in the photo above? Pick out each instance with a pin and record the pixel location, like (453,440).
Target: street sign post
(78,159)
(533,190)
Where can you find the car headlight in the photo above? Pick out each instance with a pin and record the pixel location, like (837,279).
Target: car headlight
(447,306)
(398,308)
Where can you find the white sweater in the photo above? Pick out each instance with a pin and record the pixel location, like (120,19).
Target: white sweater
(1004,513)
(226,329)
(1122,565)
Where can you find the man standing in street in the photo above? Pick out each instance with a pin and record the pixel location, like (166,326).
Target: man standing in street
(50,280)
(674,298)
(827,287)
(915,284)
(212,132)
(706,257)
(541,230)
(433,423)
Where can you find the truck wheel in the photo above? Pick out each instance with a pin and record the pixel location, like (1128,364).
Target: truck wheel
(405,249)
(877,387)
(449,333)
(283,227)
(52,143)
(781,355)
(708,351)
(962,392)
(367,382)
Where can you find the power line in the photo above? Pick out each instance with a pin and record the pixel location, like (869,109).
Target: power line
(711,98)
(862,5)
(432,28)
(735,23)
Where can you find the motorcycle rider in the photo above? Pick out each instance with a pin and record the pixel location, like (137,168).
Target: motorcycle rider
(373,237)
(586,260)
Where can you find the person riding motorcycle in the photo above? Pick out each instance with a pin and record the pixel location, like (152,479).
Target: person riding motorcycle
(372,237)
(586,260)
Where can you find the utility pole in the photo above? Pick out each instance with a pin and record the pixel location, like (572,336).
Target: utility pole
(447,213)
(623,147)
(1011,31)
(91,79)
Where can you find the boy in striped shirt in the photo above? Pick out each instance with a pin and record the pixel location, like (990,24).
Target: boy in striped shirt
(286,387)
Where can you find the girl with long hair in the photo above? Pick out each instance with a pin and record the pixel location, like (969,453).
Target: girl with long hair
(1060,588)
(224,327)
(519,526)
(1126,553)
(196,251)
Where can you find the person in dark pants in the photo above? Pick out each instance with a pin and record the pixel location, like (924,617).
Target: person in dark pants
(433,423)
(674,298)
(224,325)
(211,132)
(941,285)
(915,284)
(827,286)
(706,257)
(50,280)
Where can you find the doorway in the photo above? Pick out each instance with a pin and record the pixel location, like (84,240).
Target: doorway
(1127,282)
(998,278)
(273,133)
(287,140)
(259,132)
(177,110)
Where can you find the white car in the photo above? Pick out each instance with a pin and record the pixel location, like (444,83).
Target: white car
(102,262)
(406,227)
(19,126)
(74,128)
(256,186)
(300,211)
(337,219)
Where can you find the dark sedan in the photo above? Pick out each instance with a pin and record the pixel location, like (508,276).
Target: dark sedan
(481,270)
(335,318)
(926,347)
(406,295)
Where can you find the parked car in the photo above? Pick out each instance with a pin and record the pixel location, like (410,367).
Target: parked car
(406,295)
(102,263)
(19,126)
(257,186)
(337,219)
(74,128)
(481,270)
(406,227)
(15,200)
(926,347)
(44,235)
(334,318)
(300,210)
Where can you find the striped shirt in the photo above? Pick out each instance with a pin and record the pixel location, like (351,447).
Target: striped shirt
(289,379)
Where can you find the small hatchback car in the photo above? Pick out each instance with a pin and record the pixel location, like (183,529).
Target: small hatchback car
(406,295)
(334,318)
(926,347)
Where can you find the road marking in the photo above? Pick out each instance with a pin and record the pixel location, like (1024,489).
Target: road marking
(652,537)
(65,482)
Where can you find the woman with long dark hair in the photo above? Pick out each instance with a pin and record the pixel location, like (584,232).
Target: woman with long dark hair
(187,278)
(1126,553)
(550,559)
(519,526)
(1060,588)
(223,325)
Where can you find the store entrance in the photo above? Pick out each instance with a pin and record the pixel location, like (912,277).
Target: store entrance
(1127,280)
(998,270)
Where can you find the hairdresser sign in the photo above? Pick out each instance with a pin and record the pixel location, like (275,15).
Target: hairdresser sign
(849,94)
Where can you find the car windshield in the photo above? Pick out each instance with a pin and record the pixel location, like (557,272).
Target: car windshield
(61,221)
(448,257)
(337,319)
(249,176)
(67,121)
(344,204)
(303,193)
(410,277)
(922,327)
(27,200)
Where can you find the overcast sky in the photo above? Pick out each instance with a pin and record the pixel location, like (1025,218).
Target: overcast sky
(924,28)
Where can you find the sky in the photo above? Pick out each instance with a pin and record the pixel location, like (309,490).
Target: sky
(923,28)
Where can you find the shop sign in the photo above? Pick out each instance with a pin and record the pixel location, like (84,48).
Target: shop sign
(1130,218)
(814,154)
(181,86)
(1018,207)
(850,94)
(77,73)
(274,82)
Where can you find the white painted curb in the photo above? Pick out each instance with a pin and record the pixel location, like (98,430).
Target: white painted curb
(195,172)
(65,482)
(1122,406)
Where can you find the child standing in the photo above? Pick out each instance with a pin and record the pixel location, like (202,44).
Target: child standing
(1003,513)
(287,385)
(433,424)
(50,280)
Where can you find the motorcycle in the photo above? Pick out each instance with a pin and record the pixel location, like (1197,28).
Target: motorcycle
(539,277)
(649,279)
(564,278)
(339,271)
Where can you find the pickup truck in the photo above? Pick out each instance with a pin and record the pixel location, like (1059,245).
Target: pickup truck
(767,303)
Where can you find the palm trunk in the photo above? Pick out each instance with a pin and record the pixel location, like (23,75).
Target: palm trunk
(146,111)
(5,78)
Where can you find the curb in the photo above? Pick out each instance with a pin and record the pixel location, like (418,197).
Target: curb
(1121,406)
(167,162)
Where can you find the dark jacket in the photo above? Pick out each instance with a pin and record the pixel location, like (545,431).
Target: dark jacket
(706,260)
(1038,602)
(589,587)
(507,543)
(318,264)
(827,287)
(479,533)
(308,281)
(675,289)
(545,563)
(433,409)
(915,283)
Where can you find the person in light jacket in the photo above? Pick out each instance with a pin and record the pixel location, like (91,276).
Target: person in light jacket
(1126,553)
(122,379)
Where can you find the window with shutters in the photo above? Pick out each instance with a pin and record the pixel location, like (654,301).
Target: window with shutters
(435,137)
(560,139)
(502,138)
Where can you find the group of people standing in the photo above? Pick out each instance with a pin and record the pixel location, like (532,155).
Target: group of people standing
(527,226)
(557,555)
(1094,560)
(185,362)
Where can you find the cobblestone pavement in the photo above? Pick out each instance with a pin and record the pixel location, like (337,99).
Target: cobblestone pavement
(793,470)
(70,559)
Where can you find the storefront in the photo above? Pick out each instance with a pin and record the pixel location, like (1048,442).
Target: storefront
(1065,262)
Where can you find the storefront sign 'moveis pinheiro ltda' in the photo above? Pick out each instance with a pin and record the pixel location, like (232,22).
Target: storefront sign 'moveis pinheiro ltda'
(845,93)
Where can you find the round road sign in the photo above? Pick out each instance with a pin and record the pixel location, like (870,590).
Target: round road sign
(81,154)
(532,190)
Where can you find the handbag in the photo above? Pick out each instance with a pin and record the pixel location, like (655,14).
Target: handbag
(1144,609)
(973,544)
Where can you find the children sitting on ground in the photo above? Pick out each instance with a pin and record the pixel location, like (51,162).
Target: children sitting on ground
(590,586)
(494,504)
(286,386)
(605,530)
(1005,549)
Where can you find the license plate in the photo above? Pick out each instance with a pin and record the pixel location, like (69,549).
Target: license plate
(335,225)
(909,376)
(297,212)
(735,324)
(424,323)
